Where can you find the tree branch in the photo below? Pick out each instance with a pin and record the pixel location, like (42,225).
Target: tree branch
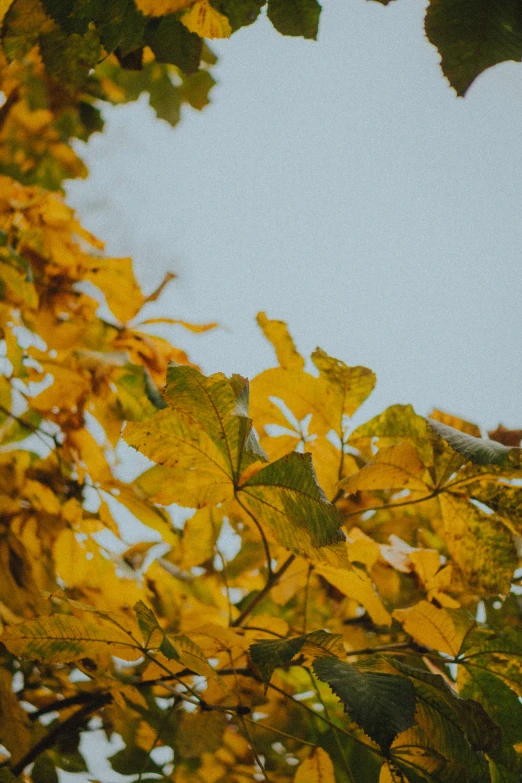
(271,582)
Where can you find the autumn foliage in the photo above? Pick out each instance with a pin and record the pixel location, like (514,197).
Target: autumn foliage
(338,603)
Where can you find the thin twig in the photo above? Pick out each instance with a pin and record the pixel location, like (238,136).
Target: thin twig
(68,725)
(307,587)
(254,751)
(282,733)
(340,748)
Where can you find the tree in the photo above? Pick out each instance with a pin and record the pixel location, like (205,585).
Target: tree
(360,622)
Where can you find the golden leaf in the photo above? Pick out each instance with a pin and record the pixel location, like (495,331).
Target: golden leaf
(115,278)
(205,21)
(357,585)
(277,333)
(317,768)
(161,7)
(430,627)
(394,467)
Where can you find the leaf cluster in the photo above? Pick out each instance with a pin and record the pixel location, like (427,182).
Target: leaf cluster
(338,603)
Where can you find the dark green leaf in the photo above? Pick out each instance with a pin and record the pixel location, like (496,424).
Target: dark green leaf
(382,704)
(271,653)
(133,760)
(90,118)
(472,35)
(172,43)
(239,12)
(477,450)
(44,770)
(295,17)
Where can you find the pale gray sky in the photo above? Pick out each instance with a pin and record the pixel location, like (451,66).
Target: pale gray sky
(341,186)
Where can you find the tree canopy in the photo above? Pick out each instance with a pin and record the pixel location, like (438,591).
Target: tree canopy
(340,603)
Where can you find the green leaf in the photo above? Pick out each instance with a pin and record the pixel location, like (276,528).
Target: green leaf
(239,13)
(382,704)
(164,98)
(195,89)
(172,43)
(468,715)
(295,17)
(69,59)
(286,496)
(131,760)
(268,654)
(472,35)
(501,704)
(477,450)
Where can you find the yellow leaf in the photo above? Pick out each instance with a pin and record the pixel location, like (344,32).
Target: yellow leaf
(41,497)
(479,544)
(273,625)
(362,548)
(358,586)
(317,768)
(205,21)
(115,278)
(431,627)
(4,8)
(199,537)
(66,392)
(81,565)
(394,467)
(277,333)
(196,328)
(146,512)
(161,7)
(200,732)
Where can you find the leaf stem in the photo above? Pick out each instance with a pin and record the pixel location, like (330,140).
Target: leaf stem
(340,748)
(261,533)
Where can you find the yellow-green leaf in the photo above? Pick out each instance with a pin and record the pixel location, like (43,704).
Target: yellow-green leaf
(62,638)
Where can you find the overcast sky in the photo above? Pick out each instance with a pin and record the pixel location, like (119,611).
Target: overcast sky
(341,186)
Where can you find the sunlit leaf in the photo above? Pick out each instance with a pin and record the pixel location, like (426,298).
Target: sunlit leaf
(432,627)
(316,768)
(63,638)
(475,540)
(204,20)
(277,333)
